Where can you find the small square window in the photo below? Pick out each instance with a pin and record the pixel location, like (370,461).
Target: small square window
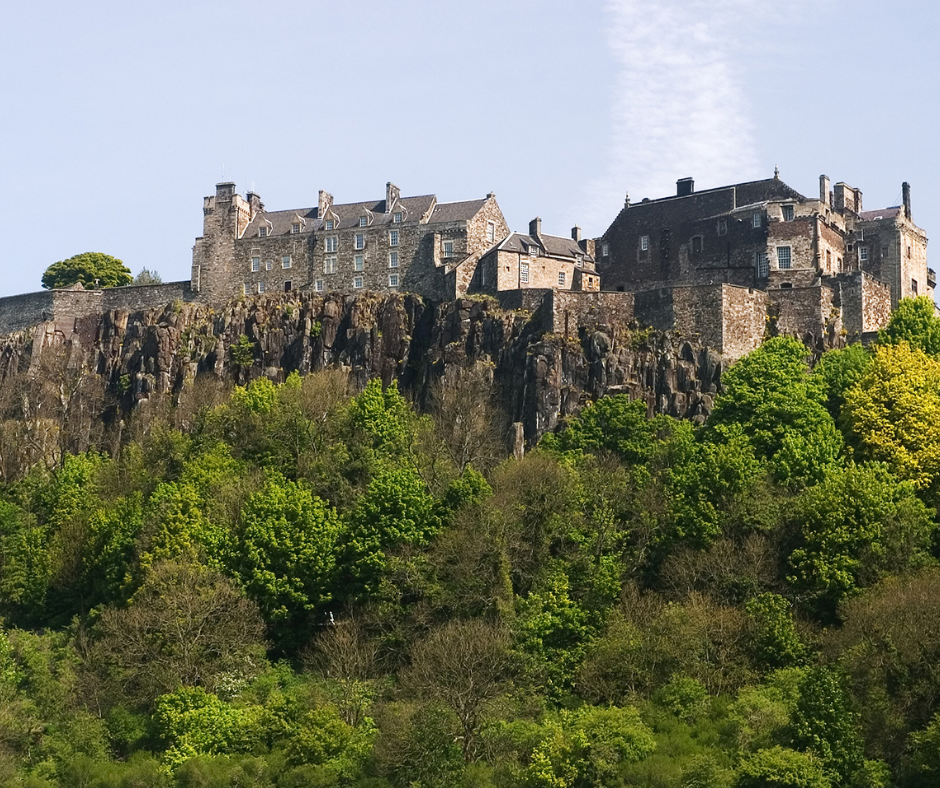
(268,265)
(788,213)
(396,217)
(357,282)
(358,263)
(393,238)
(448,247)
(260,287)
(285,261)
(393,280)
(360,241)
(722,227)
(863,253)
(524,273)
(330,224)
(644,243)
(329,265)
(533,250)
(755,220)
(255,263)
(491,231)
(318,285)
(783,257)
(295,229)
(262,232)
(393,259)
(331,243)
(363,221)
(561,278)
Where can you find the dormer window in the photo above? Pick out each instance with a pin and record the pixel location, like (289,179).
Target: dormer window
(363,221)
(329,225)
(397,217)
(448,248)
(533,250)
(295,228)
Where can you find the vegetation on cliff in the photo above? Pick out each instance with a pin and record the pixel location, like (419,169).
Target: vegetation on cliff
(291,586)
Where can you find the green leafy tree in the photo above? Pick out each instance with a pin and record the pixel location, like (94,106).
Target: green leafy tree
(94,270)
(770,395)
(148,277)
(891,414)
(856,525)
(779,767)
(922,769)
(286,550)
(383,417)
(775,642)
(915,322)
(839,370)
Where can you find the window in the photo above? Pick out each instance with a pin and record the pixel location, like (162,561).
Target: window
(524,273)
(763,268)
(578,261)
(755,220)
(287,286)
(245,288)
(329,224)
(260,287)
(393,280)
(268,265)
(828,258)
(849,247)
(697,244)
(329,265)
(644,243)
(788,213)
(262,232)
(358,263)
(295,229)
(393,238)
(396,217)
(255,263)
(360,241)
(605,250)
(908,252)
(482,276)
(786,285)
(285,261)
(318,285)
(561,278)
(448,247)
(914,286)
(357,282)
(393,259)
(491,231)
(783,257)
(722,227)
(863,253)
(534,250)
(363,221)
(331,243)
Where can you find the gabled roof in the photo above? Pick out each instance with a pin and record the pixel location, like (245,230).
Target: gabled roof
(552,245)
(456,211)
(883,213)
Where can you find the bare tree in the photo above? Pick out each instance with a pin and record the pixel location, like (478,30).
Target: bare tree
(466,665)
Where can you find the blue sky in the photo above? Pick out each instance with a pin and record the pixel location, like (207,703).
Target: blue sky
(119,117)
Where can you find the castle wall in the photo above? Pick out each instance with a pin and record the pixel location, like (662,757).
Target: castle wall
(271,273)
(135,298)
(19,312)
(744,320)
(590,311)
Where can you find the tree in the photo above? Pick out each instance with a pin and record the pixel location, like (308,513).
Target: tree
(465,664)
(779,767)
(838,370)
(94,270)
(148,277)
(891,415)
(915,321)
(770,395)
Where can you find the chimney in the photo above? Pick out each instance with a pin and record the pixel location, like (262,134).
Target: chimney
(576,233)
(324,203)
(225,191)
(824,189)
(254,201)
(535,227)
(858,201)
(392,195)
(626,200)
(906,191)
(684,186)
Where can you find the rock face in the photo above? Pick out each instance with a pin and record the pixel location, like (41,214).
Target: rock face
(538,378)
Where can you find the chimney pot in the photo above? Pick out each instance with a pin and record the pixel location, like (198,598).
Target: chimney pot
(684,186)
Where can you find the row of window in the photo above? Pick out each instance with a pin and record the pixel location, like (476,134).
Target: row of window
(359,263)
(269,264)
(357,283)
(330,224)
(524,275)
(259,287)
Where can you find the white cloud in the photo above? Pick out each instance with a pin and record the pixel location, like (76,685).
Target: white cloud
(679,108)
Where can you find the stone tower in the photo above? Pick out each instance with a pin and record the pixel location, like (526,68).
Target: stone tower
(225,217)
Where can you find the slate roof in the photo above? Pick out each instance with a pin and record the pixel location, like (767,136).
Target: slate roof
(552,245)
(882,213)
(457,211)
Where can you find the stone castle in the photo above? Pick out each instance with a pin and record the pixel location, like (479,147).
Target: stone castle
(722,266)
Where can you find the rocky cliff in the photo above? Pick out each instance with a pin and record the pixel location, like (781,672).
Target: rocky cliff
(538,378)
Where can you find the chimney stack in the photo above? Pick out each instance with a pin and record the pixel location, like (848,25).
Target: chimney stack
(392,195)
(906,191)
(535,227)
(824,189)
(576,233)
(684,186)
(324,203)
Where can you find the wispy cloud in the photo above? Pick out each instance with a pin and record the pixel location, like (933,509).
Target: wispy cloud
(678,108)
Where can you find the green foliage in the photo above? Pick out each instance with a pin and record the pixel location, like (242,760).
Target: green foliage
(383,417)
(779,767)
(242,351)
(684,696)
(147,277)
(838,370)
(93,270)
(915,322)
(770,395)
(775,642)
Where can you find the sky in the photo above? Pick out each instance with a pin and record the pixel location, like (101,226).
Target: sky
(118,117)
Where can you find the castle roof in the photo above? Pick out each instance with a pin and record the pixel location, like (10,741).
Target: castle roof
(881,213)
(457,211)
(553,245)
